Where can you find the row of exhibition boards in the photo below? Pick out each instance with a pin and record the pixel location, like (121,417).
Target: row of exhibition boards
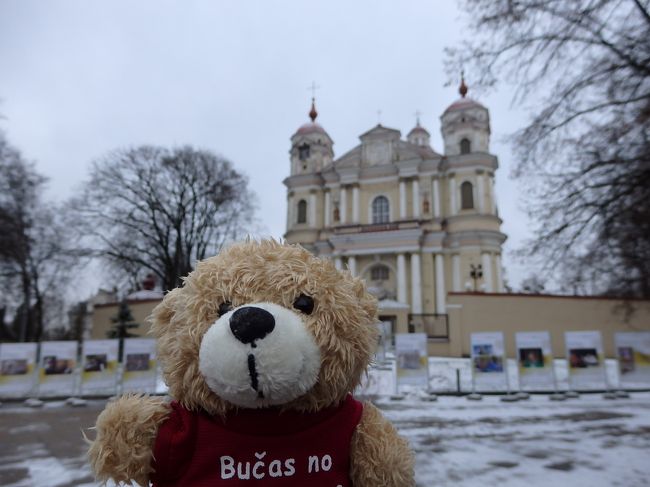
(54,368)
(536,368)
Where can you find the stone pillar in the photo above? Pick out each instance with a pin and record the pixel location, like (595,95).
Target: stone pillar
(497,263)
(416,284)
(337,263)
(487,272)
(453,199)
(401,279)
(355,204)
(328,210)
(289,212)
(436,198)
(312,210)
(343,205)
(402,199)
(455,266)
(493,198)
(440,284)
(480,189)
(416,198)
(352,265)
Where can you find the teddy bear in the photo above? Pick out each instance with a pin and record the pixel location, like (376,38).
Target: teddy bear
(261,349)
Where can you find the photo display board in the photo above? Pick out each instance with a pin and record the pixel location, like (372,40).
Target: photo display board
(585,360)
(535,360)
(56,376)
(17,366)
(633,353)
(412,359)
(380,353)
(99,371)
(488,360)
(378,382)
(139,365)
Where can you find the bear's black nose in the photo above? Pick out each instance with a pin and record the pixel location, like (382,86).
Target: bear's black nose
(251,323)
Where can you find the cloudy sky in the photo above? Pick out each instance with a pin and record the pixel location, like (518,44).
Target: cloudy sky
(79,78)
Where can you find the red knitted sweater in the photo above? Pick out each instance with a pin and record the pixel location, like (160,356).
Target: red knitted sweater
(256,447)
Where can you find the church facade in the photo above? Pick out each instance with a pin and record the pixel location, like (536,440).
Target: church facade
(415,223)
(422,228)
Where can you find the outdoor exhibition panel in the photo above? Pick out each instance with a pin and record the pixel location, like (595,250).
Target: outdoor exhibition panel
(139,365)
(412,359)
(379,381)
(633,353)
(99,369)
(535,361)
(586,361)
(58,360)
(488,361)
(17,366)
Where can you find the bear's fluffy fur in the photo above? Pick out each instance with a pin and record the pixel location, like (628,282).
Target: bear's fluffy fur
(253,272)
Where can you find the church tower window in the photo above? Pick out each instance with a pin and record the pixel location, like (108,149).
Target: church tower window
(466,196)
(303,152)
(302,211)
(380,210)
(379,273)
(465,146)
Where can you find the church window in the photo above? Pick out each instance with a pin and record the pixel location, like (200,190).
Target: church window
(302,211)
(466,196)
(465,146)
(380,210)
(379,273)
(303,152)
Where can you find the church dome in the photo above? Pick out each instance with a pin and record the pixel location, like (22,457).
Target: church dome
(463,103)
(418,130)
(310,128)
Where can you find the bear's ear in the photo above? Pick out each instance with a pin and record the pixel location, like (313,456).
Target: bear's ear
(163,314)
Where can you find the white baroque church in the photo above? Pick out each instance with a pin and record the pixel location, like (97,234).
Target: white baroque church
(414,223)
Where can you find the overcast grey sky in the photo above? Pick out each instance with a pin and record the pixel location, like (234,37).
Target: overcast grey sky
(79,78)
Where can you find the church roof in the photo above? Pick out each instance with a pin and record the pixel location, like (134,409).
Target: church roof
(379,130)
(463,104)
(418,129)
(401,150)
(310,128)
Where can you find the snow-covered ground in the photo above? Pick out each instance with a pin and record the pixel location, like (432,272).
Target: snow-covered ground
(588,441)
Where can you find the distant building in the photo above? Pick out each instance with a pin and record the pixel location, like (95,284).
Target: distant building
(105,306)
(414,223)
(422,229)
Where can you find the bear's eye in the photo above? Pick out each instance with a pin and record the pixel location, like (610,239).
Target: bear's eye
(224,307)
(304,303)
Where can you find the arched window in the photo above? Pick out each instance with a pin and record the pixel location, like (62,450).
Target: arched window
(379,273)
(380,210)
(466,196)
(302,211)
(303,152)
(465,146)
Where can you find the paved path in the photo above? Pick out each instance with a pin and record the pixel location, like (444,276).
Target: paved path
(42,446)
(586,442)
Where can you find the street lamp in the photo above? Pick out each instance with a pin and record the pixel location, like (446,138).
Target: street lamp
(476,273)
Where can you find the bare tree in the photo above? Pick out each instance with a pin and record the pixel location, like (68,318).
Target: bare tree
(151,209)
(583,67)
(36,255)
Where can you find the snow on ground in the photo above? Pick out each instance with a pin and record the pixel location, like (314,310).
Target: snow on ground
(589,441)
